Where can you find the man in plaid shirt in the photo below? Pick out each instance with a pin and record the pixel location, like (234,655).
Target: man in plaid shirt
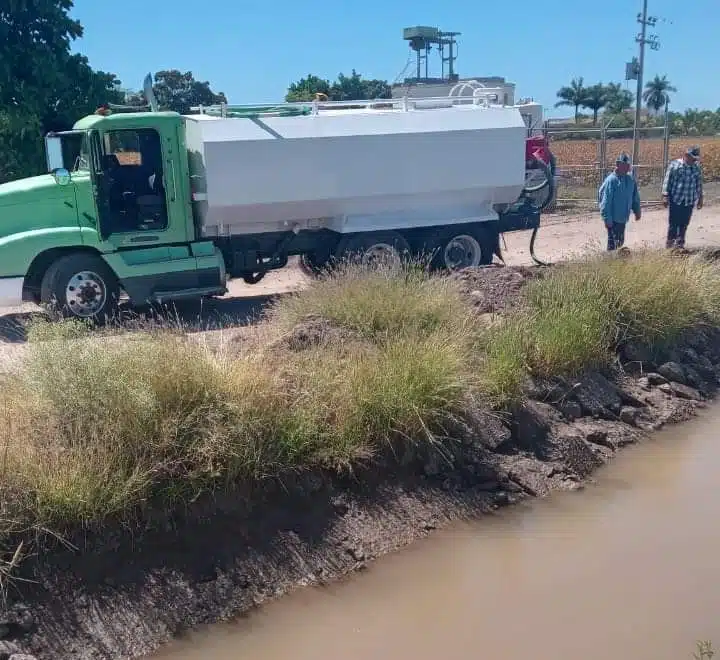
(682,190)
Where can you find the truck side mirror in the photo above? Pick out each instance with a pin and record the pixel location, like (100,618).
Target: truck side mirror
(62,176)
(54,152)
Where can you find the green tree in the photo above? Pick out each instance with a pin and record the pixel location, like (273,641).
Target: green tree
(376,89)
(574,96)
(595,100)
(695,122)
(618,99)
(34,46)
(657,93)
(305,89)
(179,91)
(42,85)
(79,91)
(21,149)
(354,88)
(346,88)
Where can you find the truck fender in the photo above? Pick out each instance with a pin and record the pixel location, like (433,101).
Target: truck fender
(43,261)
(28,254)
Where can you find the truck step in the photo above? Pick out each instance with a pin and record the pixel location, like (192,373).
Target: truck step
(162,296)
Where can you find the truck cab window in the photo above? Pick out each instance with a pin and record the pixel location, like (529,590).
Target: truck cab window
(82,162)
(132,164)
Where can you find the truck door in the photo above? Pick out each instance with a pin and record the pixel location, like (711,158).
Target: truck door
(138,189)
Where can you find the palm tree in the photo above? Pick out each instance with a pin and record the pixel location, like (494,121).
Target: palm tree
(618,99)
(573,96)
(596,99)
(657,93)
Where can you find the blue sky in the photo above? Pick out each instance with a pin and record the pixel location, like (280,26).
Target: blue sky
(252,49)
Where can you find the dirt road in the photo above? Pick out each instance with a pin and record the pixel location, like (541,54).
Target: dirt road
(564,238)
(559,238)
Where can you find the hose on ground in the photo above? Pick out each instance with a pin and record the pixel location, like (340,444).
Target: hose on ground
(548,171)
(537,261)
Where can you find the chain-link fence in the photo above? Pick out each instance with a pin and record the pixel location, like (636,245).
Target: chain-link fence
(585,156)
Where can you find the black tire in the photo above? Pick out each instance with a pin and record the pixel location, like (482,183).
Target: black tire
(462,247)
(253,278)
(541,195)
(314,265)
(355,246)
(97,286)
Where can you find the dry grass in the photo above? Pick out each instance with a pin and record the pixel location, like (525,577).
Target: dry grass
(97,428)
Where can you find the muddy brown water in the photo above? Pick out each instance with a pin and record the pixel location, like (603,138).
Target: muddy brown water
(628,568)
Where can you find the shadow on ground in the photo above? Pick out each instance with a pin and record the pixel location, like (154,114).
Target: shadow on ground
(209,314)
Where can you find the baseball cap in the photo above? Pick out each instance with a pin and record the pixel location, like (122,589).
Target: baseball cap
(693,152)
(624,158)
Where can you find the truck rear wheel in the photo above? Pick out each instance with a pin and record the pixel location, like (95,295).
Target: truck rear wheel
(461,251)
(387,247)
(313,264)
(470,247)
(81,286)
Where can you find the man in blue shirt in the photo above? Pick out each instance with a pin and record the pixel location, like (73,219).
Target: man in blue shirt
(617,197)
(682,190)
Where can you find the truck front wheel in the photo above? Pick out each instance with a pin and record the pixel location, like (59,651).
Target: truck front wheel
(81,286)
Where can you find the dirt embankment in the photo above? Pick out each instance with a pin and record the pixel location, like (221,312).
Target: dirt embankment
(122,593)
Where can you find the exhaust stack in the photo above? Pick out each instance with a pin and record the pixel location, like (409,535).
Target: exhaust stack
(149,94)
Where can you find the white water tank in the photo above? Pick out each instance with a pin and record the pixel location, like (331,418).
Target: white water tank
(263,174)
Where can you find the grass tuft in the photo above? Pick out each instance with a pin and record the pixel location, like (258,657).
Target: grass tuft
(98,427)
(576,317)
(378,303)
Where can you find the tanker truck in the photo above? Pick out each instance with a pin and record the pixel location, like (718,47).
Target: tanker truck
(159,207)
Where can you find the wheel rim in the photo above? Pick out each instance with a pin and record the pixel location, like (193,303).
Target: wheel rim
(85,294)
(381,254)
(535,180)
(462,252)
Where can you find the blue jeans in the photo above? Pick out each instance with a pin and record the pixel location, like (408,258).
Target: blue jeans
(616,235)
(678,221)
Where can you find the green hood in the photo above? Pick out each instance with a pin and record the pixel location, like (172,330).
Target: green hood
(36,203)
(24,191)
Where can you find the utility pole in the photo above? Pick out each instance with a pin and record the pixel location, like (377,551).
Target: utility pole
(642,39)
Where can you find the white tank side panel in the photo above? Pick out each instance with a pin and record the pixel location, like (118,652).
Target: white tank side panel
(455,162)
(335,168)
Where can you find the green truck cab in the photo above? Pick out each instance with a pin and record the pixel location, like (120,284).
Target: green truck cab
(114,214)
